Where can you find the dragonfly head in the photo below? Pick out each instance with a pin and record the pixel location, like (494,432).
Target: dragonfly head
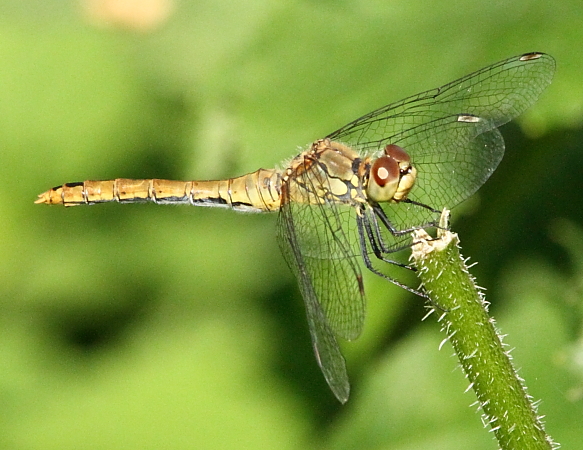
(391,176)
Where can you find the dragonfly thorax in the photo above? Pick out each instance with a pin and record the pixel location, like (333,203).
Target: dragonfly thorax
(329,172)
(391,176)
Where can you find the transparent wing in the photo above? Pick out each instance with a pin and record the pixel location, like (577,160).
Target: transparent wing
(465,156)
(316,242)
(450,132)
(330,262)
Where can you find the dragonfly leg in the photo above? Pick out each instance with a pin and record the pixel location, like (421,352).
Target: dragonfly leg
(423,205)
(380,213)
(365,232)
(375,239)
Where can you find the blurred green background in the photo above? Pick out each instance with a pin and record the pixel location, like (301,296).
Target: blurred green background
(142,326)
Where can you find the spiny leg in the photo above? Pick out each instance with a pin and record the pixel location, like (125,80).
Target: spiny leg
(380,213)
(363,234)
(375,239)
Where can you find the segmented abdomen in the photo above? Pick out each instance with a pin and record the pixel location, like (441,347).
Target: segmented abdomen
(256,191)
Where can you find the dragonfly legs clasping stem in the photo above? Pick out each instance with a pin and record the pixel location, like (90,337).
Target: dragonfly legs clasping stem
(370,235)
(367,236)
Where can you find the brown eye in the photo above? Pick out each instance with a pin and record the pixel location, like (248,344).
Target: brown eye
(397,153)
(384,179)
(385,170)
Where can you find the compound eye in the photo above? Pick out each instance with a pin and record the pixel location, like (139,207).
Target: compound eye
(384,179)
(397,153)
(384,170)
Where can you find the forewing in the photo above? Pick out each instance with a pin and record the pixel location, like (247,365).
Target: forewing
(454,159)
(450,132)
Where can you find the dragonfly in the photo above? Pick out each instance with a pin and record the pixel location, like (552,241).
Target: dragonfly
(351,200)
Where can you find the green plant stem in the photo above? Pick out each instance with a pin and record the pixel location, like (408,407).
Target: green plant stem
(506,406)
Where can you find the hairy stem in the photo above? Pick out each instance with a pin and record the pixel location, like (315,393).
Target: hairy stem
(507,408)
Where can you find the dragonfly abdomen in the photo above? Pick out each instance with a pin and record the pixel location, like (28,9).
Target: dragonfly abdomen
(256,191)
